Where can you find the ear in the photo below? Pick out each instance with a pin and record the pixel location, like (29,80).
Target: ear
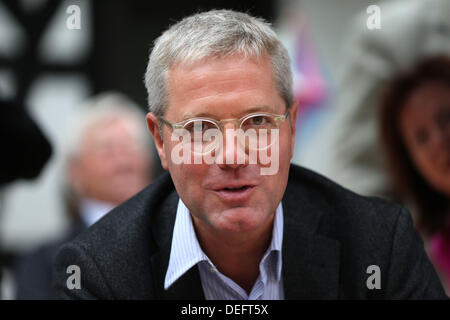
(153,126)
(293,114)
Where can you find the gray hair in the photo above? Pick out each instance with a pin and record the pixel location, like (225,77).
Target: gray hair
(214,34)
(105,106)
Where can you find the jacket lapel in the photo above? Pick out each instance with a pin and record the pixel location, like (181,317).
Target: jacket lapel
(310,267)
(310,260)
(187,286)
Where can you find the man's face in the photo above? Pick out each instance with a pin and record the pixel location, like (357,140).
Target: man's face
(111,165)
(225,89)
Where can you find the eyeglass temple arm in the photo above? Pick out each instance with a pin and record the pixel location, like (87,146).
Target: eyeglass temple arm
(163,120)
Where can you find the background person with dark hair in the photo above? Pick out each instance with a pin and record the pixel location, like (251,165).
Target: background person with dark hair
(415,131)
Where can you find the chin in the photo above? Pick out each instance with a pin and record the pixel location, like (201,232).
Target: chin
(243,219)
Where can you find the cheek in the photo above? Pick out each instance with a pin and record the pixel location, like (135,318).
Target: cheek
(424,163)
(287,143)
(141,161)
(94,167)
(188,178)
(416,154)
(418,157)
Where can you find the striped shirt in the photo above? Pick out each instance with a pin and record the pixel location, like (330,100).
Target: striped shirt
(186,253)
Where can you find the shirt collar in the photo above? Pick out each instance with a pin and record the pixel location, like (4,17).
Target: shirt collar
(277,239)
(186,251)
(93,210)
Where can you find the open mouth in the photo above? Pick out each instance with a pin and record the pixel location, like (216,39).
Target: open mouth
(235,194)
(236,189)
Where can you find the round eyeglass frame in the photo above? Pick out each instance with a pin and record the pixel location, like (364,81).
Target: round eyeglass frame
(219,123)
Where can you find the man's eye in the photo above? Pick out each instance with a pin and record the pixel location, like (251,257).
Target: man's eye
(199,126)
(257,121)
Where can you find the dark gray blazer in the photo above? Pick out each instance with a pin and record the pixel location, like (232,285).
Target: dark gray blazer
(331,236)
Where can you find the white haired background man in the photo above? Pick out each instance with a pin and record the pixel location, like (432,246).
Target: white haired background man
(109,153)
(108,158)
(224,230)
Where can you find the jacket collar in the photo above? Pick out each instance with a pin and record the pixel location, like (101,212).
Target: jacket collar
(189,285)
(310,260)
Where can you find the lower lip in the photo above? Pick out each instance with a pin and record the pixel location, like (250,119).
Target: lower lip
(235,196)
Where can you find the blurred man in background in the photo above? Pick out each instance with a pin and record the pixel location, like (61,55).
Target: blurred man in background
(107,161)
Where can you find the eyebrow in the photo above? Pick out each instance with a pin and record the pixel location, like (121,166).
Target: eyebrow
(253,109)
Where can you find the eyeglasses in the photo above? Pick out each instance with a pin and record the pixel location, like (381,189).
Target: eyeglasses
(254,127)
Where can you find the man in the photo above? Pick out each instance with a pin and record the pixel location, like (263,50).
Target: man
(227,229)
(107,160)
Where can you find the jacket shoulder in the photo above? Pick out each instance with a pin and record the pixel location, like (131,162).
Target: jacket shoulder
(332,199)
(364,226)
(370,231)
(116,251)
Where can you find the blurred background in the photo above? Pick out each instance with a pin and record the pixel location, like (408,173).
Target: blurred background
(59,60)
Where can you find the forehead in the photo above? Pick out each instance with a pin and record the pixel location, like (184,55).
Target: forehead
(426,102)
(222,85)
(109,128)
(431,93)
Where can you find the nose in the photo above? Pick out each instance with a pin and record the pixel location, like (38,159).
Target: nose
(231,154)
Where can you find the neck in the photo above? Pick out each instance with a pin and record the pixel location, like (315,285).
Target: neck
(236,255)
